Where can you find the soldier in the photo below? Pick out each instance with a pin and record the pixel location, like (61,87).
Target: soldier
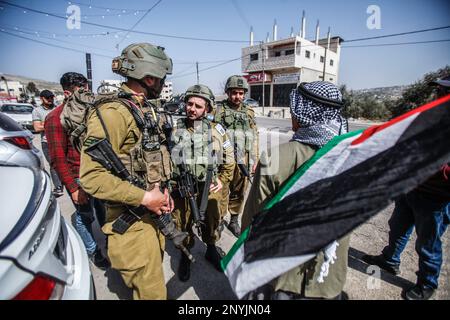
(137,253)
(201,145)
(239,120)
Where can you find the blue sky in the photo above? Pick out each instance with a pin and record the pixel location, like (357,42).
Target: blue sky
(223,19)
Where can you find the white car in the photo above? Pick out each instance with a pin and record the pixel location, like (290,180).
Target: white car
(41,256)
(20,112)
(16,144)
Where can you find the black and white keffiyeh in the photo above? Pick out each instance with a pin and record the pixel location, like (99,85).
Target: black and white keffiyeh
(319,123)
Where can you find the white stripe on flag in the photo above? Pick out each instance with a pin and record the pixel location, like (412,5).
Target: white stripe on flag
(344,156)
(245,277)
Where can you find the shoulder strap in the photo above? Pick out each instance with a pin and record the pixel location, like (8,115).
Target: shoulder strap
(97,104)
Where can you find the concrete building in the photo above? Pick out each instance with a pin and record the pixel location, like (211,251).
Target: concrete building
(108,86)
(15,88)
(281,64)
(167,91)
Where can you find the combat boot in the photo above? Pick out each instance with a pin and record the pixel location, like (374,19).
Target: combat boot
(184,268)
(233,226)
(214,255)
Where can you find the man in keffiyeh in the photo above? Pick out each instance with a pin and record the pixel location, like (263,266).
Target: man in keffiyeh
(316,119)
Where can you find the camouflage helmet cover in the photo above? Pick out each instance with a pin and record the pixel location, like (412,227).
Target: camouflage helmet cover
(139,60)
(236,82)
(202,91)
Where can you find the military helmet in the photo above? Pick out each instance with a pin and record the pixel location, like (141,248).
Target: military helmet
(236,82)
(139,60)
(202,91)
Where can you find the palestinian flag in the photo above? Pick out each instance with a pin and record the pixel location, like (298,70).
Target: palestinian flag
(344,184)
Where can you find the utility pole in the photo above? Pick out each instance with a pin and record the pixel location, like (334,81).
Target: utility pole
(325,58)
(198,75)
(324,64)
(264,79)
(89,70)
(6,84)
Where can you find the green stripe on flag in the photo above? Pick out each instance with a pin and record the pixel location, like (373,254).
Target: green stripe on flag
(319,154)
(224,262)
(286,186)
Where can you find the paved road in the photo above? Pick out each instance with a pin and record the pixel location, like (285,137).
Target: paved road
(284,125)
(207,283)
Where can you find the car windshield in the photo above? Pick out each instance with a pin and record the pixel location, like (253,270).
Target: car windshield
(17,108)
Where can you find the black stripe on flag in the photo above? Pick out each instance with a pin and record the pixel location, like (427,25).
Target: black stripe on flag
(311,218)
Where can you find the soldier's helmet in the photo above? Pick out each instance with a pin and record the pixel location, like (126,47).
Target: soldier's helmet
(139,60)
(202,91)
(236,82)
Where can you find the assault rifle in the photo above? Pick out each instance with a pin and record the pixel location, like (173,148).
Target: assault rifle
(102,152)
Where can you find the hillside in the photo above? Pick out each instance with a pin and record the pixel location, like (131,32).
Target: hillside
(382,93)
(40,84)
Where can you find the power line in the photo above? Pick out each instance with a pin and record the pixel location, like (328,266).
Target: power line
(103,8)
(103,15)
(50,38)
(67,35)
(3,29)
(395,44)
(208,39)
(124,29)
(134,26)
(361,46)
(209,68)
(398,34)
(54,45)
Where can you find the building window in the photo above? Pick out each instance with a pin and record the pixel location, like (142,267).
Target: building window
(20,89)
(289,52)
(331,62)
(277,53)
(254,57)
(256,93)
(307,54)
(281,94)
(331,79)
(321,59)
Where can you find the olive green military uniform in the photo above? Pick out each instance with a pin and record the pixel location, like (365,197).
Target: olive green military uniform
(137,254)
(241,127)
(270,175)
(194,142)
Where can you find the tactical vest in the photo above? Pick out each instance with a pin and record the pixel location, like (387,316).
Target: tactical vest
(149,159)
(238,125)
(196,147)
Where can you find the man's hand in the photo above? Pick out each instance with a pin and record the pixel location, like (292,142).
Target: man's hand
(254,168)
(156,201)
(214,188)
(38,126)
(170,202)
(79,197)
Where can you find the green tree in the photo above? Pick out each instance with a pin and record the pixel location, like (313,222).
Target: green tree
(419,93)
(350,109)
